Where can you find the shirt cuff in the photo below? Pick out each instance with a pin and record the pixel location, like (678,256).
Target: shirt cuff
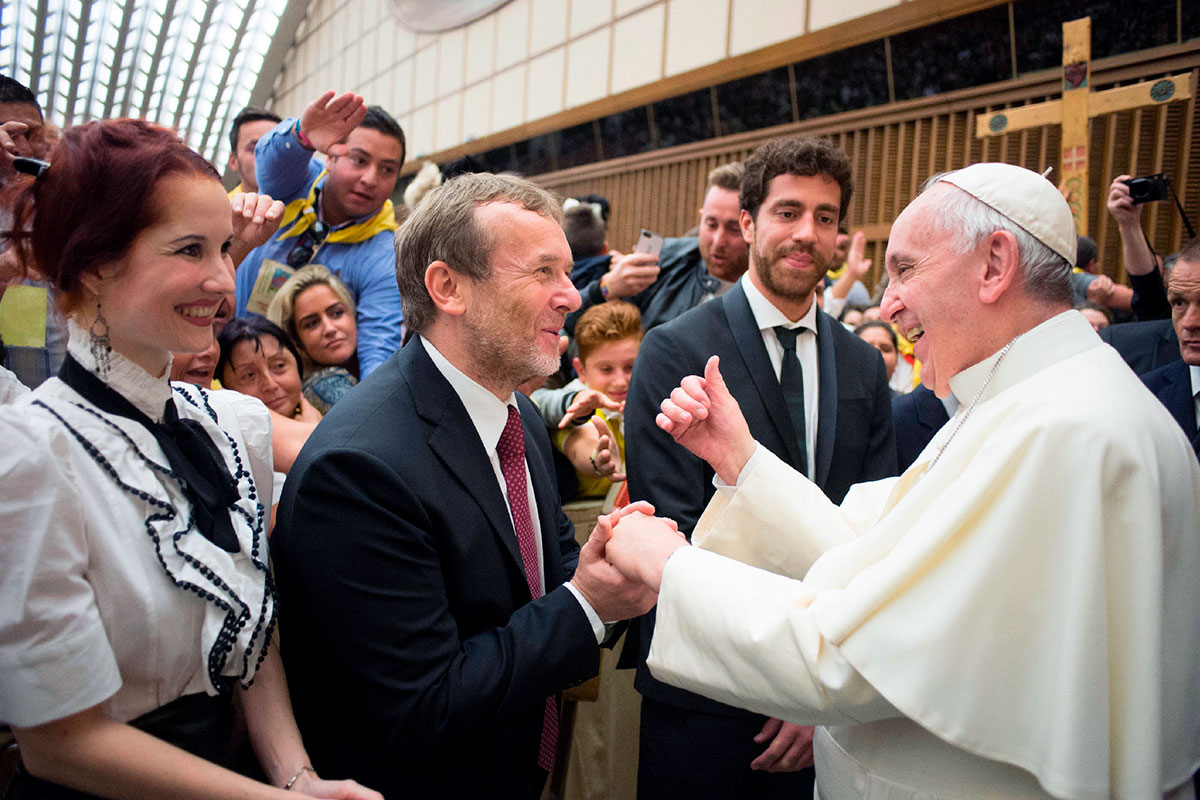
(727,490)
(598,627)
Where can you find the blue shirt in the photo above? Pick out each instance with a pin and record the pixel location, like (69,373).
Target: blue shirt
(287,171)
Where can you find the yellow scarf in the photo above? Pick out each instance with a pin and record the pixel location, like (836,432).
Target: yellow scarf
(303,213)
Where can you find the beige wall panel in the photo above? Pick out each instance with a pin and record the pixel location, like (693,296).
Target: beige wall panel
(384,92)
(420,136)
(548,25)
(587,15)
(400,96)
(758,23)
(425,85)
(546,74)
(386,57)
(637,49)
(623,7)
(448,130)
(450,61)
(512,34)
(587,68)
(481,49)
(696,32)
(368,55)
(406,41)
(477,110)
(824,13)
(508,100)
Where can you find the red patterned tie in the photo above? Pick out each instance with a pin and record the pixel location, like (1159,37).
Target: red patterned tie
(511,449)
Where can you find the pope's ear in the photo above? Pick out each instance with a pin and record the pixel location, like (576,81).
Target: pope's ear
(447,288)
(1001,266)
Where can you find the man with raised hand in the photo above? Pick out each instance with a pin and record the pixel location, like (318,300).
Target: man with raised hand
(338,214)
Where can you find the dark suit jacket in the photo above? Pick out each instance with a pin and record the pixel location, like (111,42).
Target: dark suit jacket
(1145,346)
(418,663)
(854,435)
(1172,385)
(917,416)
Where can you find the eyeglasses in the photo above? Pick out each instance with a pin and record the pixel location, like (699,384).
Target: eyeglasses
(310,241)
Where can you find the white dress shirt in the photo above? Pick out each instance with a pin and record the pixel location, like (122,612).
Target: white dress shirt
(767,316)
(1195,371)
(489,416)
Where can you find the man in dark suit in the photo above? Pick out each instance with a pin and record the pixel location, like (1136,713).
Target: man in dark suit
(1177,384)
(1145,346)
(917,416)
(812,392)
(424,563)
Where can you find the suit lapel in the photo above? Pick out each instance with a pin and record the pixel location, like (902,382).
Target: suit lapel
(931,414)
(748,338)
(454,441)
(1177,397)
(827,402)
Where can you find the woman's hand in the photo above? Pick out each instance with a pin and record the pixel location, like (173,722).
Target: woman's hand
(310,784)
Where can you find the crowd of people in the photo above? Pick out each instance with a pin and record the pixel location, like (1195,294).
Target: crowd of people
(938,520)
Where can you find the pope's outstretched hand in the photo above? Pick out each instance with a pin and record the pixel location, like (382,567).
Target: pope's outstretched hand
(702,415)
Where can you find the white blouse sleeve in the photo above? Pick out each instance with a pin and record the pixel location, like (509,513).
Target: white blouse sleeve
(55,657)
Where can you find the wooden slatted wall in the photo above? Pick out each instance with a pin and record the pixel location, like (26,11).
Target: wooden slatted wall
(895,148)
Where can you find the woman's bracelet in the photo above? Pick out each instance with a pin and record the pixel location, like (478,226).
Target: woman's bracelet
(592,458)
(306,768)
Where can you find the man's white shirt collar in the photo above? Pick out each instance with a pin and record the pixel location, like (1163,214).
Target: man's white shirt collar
(767,315)
(487,412)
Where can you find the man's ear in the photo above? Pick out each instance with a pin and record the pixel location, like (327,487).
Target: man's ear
(747,223)
(1001,267)
(447,288)
(233,165)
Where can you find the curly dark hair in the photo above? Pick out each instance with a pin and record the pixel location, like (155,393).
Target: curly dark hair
(794,155)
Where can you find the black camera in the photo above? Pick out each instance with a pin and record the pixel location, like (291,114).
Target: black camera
(1148,189)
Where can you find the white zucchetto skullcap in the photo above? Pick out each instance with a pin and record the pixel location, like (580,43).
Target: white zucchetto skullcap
(1026,198)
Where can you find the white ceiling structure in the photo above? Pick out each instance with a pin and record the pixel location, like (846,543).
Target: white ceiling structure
(187,64)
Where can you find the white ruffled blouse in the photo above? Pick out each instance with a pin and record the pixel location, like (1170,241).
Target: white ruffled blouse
(108,593)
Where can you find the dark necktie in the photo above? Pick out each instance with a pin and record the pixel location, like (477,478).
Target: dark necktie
(511,449)
(194,459)
(791,381)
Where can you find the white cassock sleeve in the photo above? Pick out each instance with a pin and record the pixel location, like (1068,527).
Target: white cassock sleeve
(715,648)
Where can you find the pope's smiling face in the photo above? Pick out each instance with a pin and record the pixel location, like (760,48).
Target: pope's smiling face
(929,295)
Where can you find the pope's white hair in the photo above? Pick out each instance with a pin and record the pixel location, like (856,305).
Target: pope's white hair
(967,220)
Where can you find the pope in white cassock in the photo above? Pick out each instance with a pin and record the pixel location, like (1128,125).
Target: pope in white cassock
(1018,614)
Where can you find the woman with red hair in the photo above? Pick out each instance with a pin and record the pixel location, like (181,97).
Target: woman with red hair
(136,602)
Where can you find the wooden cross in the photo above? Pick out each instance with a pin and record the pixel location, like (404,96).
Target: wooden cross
(1077,106)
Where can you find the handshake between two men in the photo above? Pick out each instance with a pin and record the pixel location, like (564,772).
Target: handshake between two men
(702,416)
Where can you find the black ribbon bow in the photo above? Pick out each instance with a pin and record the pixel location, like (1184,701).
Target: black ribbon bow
(191,453)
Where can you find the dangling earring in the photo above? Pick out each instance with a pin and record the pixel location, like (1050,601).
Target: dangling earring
(100,345)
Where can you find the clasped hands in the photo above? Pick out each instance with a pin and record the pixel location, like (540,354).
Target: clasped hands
(703,416)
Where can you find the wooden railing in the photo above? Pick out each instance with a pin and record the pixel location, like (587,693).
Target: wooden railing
(895,148)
